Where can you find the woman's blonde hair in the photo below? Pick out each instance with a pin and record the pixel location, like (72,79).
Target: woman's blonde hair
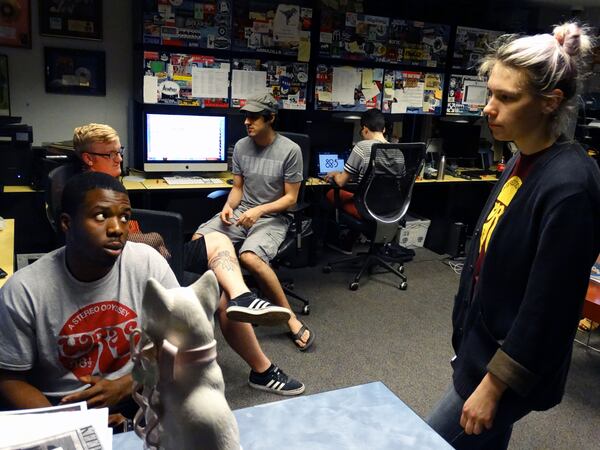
(549,61)
(86,135)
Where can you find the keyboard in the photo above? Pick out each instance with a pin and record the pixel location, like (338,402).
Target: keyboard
(192,180)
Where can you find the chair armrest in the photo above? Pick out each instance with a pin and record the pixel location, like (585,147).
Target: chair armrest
(298,207)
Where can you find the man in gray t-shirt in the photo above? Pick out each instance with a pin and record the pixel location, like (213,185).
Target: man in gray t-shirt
(65,320)
(267,171)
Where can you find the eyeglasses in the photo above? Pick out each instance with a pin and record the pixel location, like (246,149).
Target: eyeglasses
(112,155)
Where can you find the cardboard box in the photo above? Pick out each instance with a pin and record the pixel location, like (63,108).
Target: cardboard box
(413,234)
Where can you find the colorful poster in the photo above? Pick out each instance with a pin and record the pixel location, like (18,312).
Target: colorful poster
(353,36)
(188,23)
(286,81)
(471,44)
(265,26)
(467,95)
(330,80)
(175,77)
(409,92)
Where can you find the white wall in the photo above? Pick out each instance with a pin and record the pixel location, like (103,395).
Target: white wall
(53,116)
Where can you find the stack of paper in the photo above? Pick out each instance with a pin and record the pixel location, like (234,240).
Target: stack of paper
(68,427)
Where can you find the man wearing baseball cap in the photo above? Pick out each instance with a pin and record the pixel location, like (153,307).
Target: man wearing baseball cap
(267,171)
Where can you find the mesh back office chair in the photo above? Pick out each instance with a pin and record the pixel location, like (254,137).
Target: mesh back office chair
(382,199)
(161,230)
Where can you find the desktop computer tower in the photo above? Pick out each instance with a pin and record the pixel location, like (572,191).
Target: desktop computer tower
(16,155)
(446,237)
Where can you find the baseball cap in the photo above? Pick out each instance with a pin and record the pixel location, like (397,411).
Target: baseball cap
(259,103)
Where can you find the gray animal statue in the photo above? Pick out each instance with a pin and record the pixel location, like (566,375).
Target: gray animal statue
(182,398)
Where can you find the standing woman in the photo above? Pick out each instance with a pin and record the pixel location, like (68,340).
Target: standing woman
(522,288)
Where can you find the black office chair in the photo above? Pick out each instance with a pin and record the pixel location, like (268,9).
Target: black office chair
(158,229)
(57,178)
(382,199)
(300,232)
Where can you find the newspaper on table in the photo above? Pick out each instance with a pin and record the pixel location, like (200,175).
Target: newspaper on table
(56,427)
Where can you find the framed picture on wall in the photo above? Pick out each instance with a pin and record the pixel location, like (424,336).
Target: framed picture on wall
(74,71)
(4,89)
(15,23)
(74,19)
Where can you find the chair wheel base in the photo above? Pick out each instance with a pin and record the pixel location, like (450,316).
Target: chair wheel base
(403,286)
(327,269)
(353,286)
(306,310)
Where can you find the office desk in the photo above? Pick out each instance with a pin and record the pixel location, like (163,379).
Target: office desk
(368,416)
(7,249)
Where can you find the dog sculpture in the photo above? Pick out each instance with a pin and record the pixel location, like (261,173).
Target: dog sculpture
(182,400)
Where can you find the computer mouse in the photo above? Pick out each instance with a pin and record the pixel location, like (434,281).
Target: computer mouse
(230,181)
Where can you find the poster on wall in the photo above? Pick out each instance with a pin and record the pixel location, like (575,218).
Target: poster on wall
(409,92)
(347,88)
(467,95)
(471,44)
(15,23)
(187,23)
(186,80)
(74,71)
(72,19)
(362,37)
(270,27)
(287,82)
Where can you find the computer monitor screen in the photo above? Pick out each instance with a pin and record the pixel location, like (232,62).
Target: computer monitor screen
(182,142)
(330,162)
(460,141)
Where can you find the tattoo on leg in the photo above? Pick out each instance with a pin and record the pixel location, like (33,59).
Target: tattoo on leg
(225,261)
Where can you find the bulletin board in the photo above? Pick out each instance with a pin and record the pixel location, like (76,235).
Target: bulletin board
(467,95)
(471,44)
(267,26)
(364,37)
(183,79)
(188,23)
(343,88)
(409,92)
(286,81)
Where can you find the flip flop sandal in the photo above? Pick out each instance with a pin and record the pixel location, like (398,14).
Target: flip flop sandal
(587,325)
(298,337)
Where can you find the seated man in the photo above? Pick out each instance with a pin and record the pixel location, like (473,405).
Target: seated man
(99,149)
(372,131)
(267,171)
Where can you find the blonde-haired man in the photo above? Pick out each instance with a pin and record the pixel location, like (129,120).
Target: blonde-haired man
(99,148)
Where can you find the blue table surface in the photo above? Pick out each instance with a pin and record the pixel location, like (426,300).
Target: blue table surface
(359,417)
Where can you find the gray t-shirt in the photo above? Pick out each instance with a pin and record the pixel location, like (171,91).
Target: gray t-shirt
(266,169)
(61,328)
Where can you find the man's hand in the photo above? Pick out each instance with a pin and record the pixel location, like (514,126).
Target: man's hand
(480,408)
(249,218)
(102,392)
(226,213)
(330,177)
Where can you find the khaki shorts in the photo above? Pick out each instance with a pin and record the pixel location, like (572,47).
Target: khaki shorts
(262,239)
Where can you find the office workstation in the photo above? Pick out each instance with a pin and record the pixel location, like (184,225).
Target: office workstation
(176,101)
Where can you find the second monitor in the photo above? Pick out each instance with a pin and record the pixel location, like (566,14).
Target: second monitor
(177,141)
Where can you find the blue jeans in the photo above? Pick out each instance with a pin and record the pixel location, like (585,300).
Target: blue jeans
(445,419)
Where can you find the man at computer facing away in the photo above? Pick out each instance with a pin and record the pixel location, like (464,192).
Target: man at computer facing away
(372,123)
(267,171)
(98,147)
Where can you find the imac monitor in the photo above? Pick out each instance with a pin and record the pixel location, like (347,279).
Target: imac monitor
(184,142)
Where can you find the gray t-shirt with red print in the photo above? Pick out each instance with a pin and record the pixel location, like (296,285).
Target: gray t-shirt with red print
(60,328)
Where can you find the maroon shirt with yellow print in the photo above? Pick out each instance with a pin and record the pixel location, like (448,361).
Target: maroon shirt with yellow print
(513,184)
